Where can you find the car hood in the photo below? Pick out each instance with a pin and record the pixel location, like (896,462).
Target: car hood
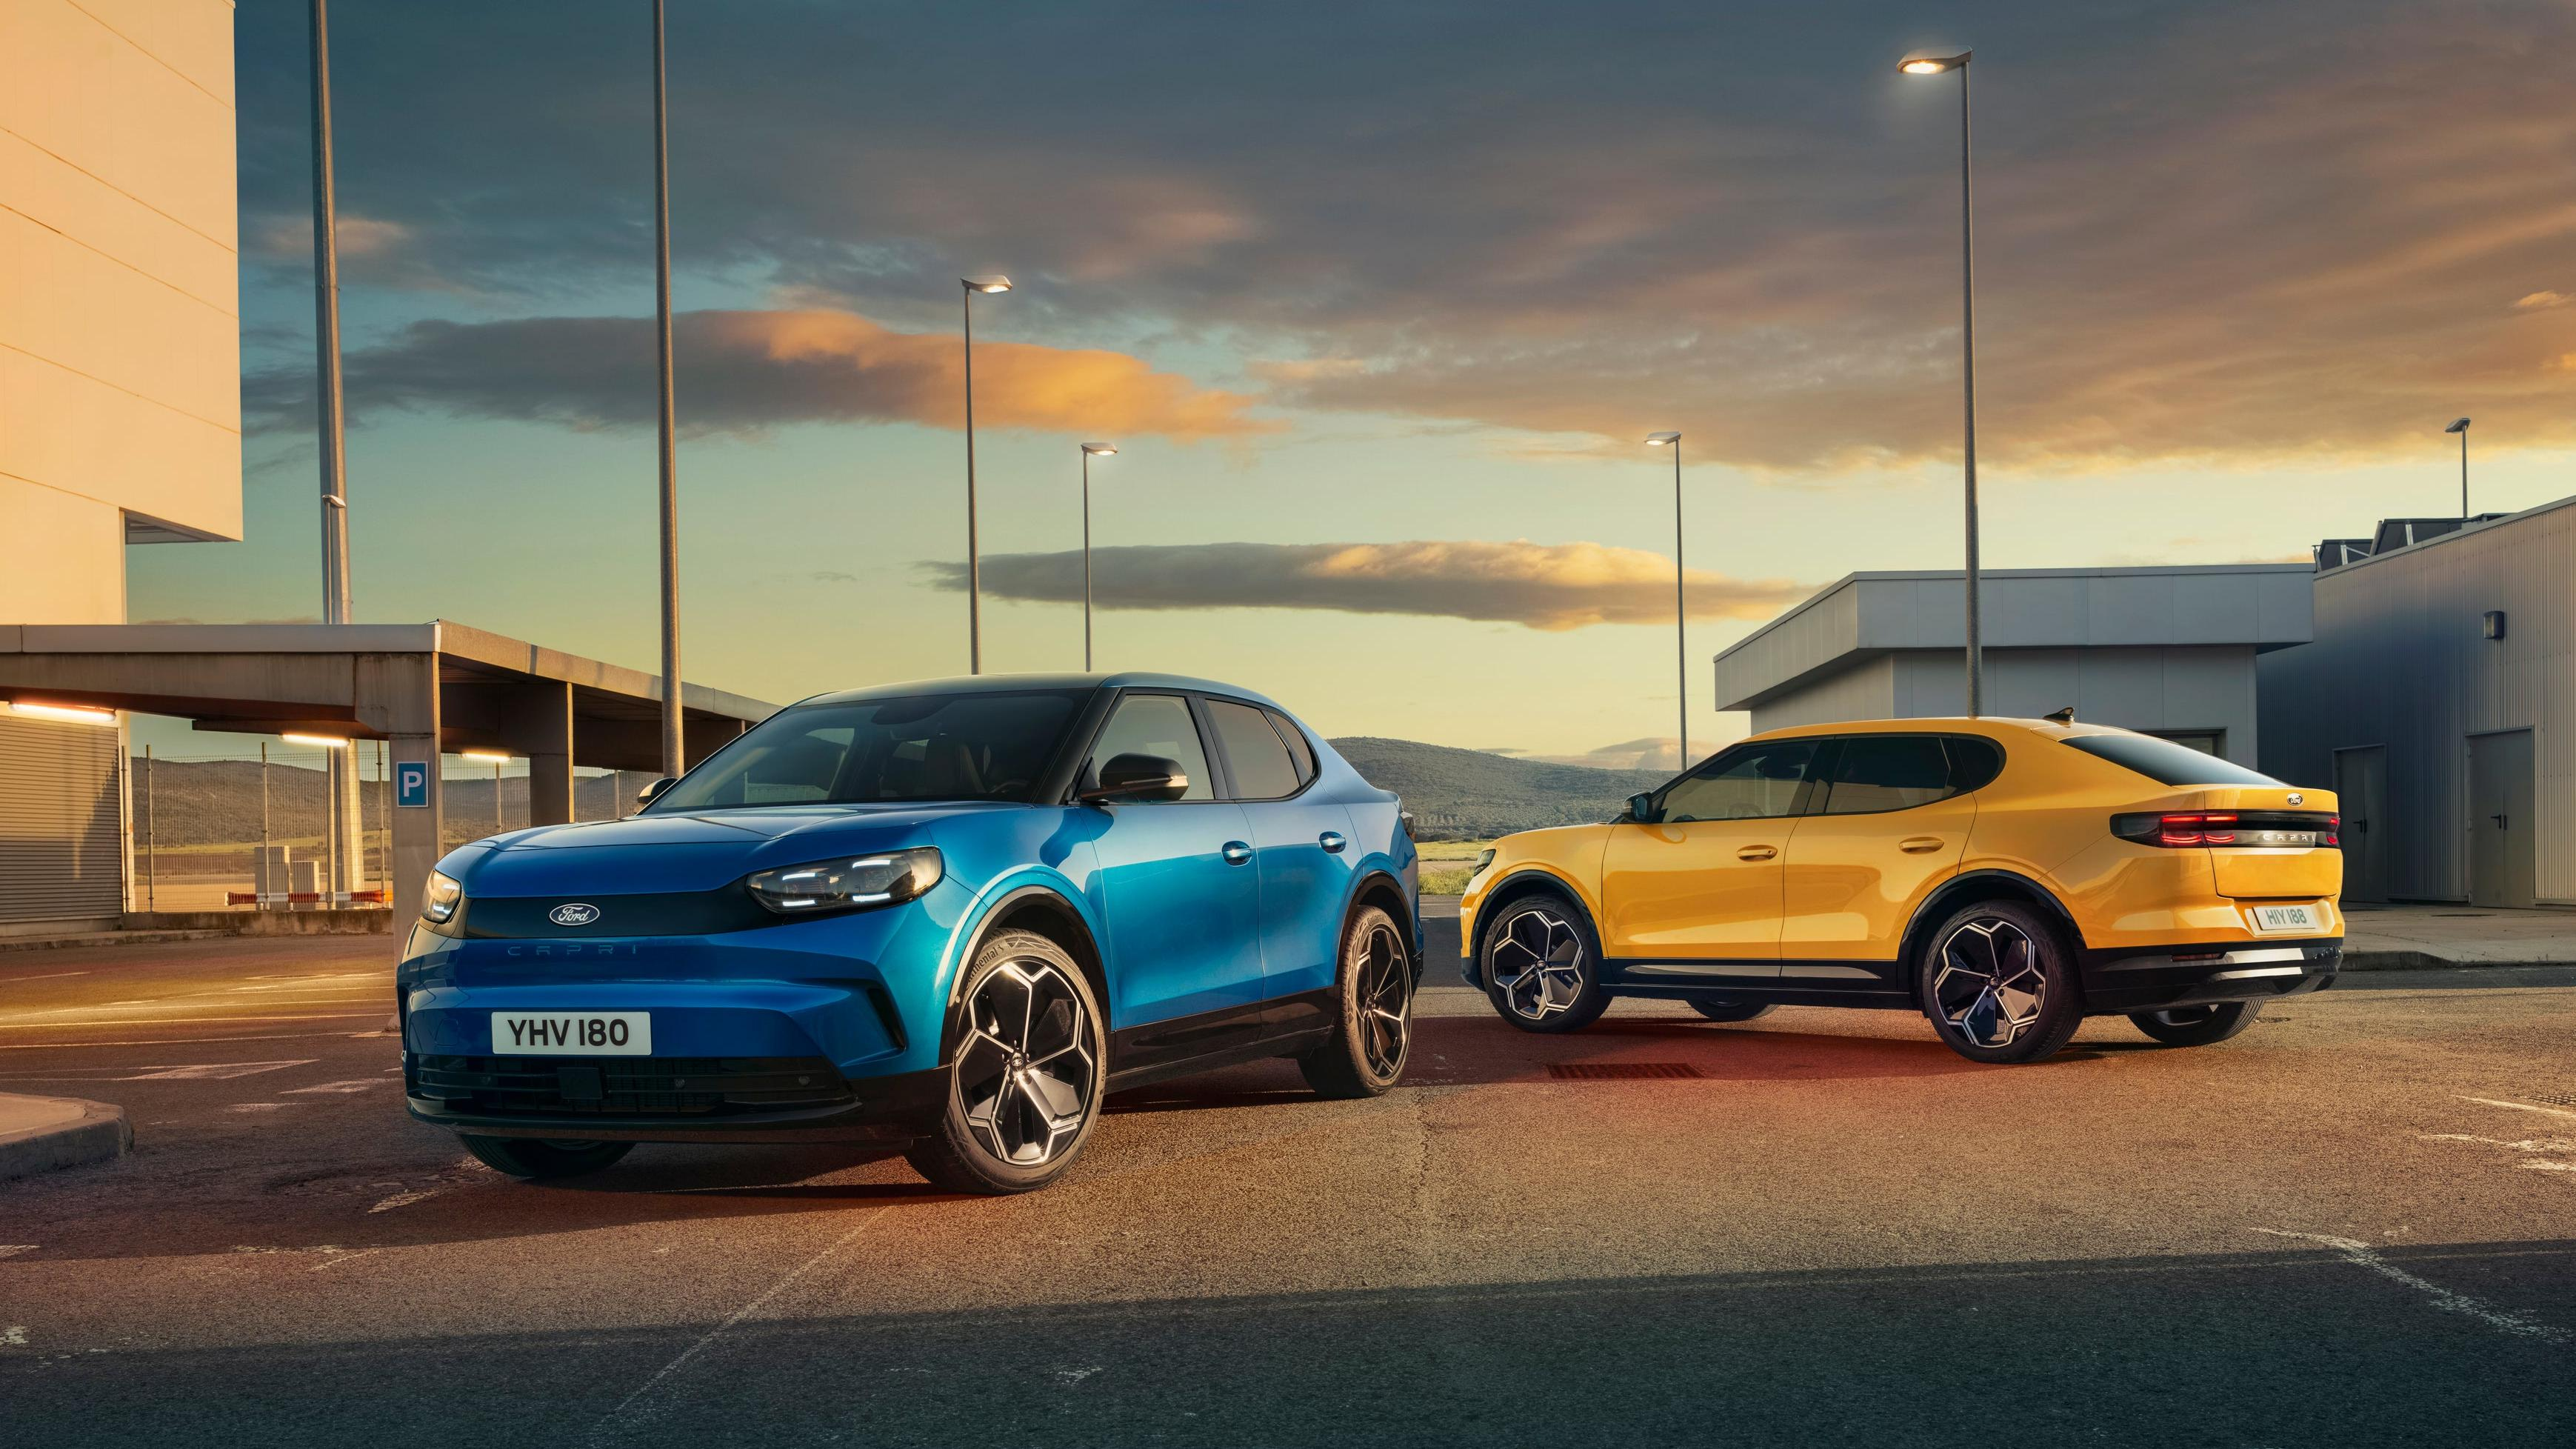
(690,851)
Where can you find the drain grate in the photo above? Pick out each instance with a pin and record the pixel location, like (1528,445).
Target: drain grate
(1621,1071)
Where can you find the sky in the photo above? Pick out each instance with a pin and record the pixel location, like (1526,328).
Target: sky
(1377,303)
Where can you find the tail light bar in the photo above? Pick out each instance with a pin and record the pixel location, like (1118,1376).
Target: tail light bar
(2184,829)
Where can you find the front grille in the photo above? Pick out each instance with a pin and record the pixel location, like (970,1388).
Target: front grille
(1622,1071)
(626,1086)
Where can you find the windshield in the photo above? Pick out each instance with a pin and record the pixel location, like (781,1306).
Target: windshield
(968,746)
(2167,763)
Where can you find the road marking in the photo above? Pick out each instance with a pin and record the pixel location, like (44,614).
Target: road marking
(2522,1107)
(11,1250)
(2362,1255)
(634,1412)
(48,976)
(341,1089)
(261,1106)
(216,1071)
(404,1199)
(162,1041)
(14,1336)
(1071,1376)
(173,1021)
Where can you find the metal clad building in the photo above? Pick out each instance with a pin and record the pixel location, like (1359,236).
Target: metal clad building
(61,848)
(2168,651)
(2439,700)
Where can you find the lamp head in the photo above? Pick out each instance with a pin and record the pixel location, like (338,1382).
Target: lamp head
(1099,450)
(488,757)
(985,284)
(1933,64)
(1662,440)
(2461,426)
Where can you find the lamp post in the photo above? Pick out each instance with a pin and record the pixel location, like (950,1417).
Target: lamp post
(2462,428)
(496,760)
(1681,616)
(1935,65)
(1089,452)
(340,777)
(673,761)
(974,565)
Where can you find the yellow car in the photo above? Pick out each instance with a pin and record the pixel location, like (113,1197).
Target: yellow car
(2005,877)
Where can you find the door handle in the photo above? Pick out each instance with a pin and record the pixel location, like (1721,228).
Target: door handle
(1757,852)
(1919,844)
(1332,842)
(1236,852)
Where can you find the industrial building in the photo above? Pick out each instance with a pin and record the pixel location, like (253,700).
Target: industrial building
(2439,701)
(2167,651)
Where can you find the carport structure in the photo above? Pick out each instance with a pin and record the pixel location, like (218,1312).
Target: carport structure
(424,689)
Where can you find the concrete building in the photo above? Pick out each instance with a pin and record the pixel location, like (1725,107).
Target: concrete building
(120,373)
(2168,651)
(2439,701)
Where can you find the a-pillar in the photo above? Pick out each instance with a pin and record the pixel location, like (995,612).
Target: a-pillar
(397,697)
(536,719)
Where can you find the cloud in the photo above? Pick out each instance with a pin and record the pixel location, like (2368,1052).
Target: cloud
(1544,586)
(746,371)
(2536,301)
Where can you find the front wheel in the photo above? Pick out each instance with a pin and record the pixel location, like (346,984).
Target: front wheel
(1999,984)
(1543,966)
(1027,1076)
(530,1158)
(1373,1028)
(2189,1026)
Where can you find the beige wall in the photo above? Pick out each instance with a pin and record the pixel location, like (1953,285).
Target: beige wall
(120,329)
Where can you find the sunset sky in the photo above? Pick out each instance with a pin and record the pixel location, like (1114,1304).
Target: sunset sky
(1377,302)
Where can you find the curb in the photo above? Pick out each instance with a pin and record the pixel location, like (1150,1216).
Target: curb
(2426,961)
(65,1132)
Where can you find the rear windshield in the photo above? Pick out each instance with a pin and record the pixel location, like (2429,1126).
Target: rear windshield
(2165,762)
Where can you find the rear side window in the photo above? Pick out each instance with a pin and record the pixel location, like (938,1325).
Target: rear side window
(1873,773)
(1301,754)
(2165,762)
(1253,752)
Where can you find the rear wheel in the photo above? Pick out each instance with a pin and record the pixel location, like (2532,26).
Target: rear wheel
(1543,965)
(1373,1029)
(2188,1026)
(529,1158)
(1999,984)
(1733,1010)
(1026,1079)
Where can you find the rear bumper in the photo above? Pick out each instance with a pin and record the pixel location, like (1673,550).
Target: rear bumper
(2121,981)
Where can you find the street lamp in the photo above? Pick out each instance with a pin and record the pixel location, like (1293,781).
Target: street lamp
(1089,452)
(674,762)
(2462,428)
(974,567)
(496,760)
(1935,65)
(1681,617)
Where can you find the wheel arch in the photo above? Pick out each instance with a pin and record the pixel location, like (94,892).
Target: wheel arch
(1044,911)
(1379,887)
(1969,888)
(1532,879)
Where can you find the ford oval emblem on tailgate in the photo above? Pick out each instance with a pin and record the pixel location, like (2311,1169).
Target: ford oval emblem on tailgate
(2298,799)
(573,913)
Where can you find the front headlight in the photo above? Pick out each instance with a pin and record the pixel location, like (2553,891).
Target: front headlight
(846,882)
(438,900)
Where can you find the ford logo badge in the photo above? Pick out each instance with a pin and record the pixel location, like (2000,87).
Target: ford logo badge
(573,913)
(2298,799)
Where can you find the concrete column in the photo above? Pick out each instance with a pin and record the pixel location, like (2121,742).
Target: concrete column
(708,734)
(397,696)
(536,719)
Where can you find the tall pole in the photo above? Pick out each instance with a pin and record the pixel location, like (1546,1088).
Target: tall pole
(2464,475)
(1681,614)
(974,564)
(1086,560)
(151,838)
(673,762)
(497,824)
(1968,373)
(339,776)
(260,877)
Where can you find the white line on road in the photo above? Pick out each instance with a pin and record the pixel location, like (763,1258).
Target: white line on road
(163,1041)
(216,1071)
(14,1336)
(340,1089)
(2362,1255)
(635,1412)
(11,1250)
(48,976)
(173,1021)
(404,1199)
(2522,1107)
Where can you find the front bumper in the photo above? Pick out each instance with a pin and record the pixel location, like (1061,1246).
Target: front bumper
(2122,981)
(666,1099)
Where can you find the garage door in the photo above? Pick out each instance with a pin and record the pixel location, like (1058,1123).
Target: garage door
(59,856)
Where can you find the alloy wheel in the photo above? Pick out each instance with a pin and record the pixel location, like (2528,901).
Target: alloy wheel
(1025,1072)
(1990,987)
(1538,964)
(1385,999)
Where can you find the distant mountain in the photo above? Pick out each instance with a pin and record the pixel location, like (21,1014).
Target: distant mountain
(1468,793)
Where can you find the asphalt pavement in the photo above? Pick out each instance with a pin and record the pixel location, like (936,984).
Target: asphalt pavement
(2349,1226)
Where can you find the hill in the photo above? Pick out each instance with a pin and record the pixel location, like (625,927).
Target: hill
(1469,793)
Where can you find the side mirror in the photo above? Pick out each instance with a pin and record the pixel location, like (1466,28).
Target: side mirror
(1137,779)
(1641,808)
(646,795)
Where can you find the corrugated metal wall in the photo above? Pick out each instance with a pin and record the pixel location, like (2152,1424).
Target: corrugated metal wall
(2401,660)
(60,856)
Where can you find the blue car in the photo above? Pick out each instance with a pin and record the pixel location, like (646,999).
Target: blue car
(952,915)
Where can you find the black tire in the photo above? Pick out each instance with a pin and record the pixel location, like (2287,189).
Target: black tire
(1541,962)
(1374,1030)
(2190,1026)
(1025,1076)
(1734,1010)
(530,1158)
(1998,983)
